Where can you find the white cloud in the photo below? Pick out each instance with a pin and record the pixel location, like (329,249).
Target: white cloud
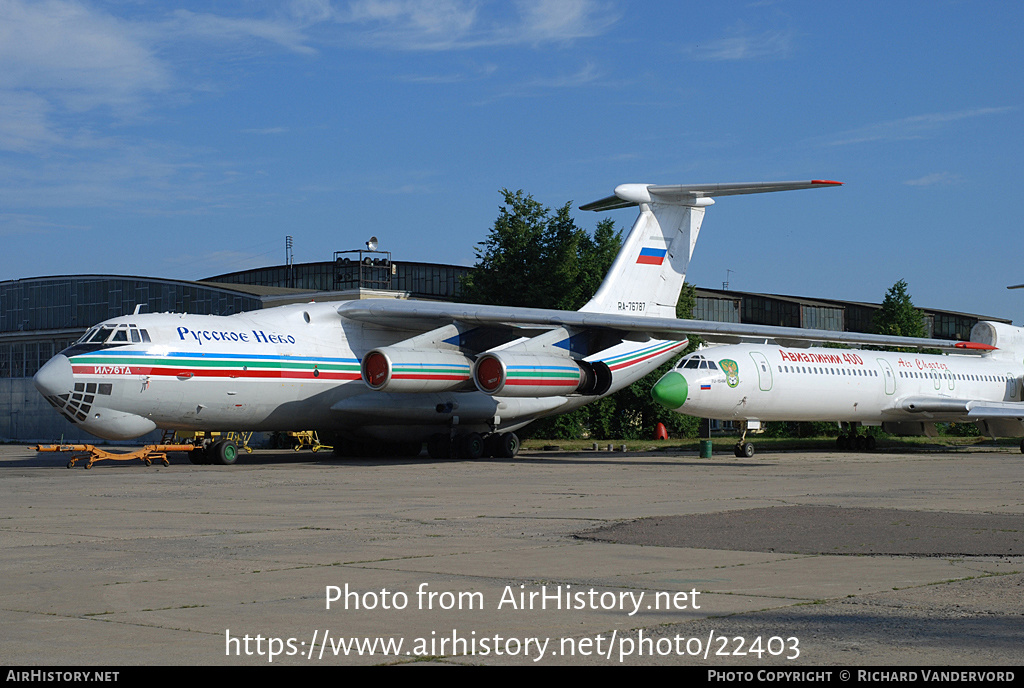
(559,20)
(433,25)
(283,31)
(83,58)
(744,46)
(915,127)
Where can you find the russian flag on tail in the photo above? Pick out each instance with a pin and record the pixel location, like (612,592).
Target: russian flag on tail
(652,256)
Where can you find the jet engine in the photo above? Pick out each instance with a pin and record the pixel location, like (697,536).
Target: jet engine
(539,375)
(394,369)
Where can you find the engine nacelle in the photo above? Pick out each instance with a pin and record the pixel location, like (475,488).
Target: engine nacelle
(1000,335)
(538,375)
(410,370)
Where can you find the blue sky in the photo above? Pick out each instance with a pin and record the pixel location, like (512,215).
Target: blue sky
(186,139)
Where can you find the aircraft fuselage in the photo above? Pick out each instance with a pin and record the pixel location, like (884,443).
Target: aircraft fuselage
(285,368)
(767,382)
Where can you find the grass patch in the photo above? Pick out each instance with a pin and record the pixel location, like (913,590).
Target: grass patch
(725,444)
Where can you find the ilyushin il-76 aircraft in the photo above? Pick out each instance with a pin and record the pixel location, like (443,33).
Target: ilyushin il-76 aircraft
(905,393)
(463,378)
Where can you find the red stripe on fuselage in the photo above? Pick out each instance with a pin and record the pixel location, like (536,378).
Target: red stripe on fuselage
(218,372)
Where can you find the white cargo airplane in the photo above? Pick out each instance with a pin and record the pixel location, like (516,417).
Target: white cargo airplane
(905,393)
(462,377)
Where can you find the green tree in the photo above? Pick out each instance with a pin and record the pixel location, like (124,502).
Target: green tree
(898,316)
(537,257)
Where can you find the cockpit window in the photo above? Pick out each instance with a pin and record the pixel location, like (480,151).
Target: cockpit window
(697,362)
(105,336)
(100,335)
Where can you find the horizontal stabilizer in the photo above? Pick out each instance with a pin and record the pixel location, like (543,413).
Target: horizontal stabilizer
(627,195)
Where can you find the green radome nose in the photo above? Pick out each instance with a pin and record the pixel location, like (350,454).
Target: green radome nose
(670,391)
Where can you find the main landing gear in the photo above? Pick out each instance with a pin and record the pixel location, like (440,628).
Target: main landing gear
(473,445)
(854,440)
(221,452)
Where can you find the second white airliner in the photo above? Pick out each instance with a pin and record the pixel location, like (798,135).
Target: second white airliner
(905,393)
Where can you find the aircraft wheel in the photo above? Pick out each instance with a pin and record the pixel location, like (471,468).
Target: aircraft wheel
(471,446)
(224,452)
(1022,446)
(507,445)
(842,442)
(870,443)
(745,450)
(860,443)
(197,457)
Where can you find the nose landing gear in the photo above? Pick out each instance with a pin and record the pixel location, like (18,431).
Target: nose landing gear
(743,449)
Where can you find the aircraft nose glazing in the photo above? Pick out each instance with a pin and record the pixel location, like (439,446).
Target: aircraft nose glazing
(671,390)
(55,377)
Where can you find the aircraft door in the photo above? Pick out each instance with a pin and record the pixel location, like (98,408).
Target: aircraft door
(890,378)
(1011,387)
(764,370)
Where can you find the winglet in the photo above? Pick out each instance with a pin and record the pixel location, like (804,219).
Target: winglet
(975,346)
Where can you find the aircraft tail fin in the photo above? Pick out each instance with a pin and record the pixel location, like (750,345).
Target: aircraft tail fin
(648,273)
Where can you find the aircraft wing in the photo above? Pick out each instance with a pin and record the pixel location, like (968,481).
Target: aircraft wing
(975,409)
(424,315)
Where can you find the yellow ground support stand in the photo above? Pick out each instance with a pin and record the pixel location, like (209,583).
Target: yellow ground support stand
(241,439)
(307,438)
(90,454)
